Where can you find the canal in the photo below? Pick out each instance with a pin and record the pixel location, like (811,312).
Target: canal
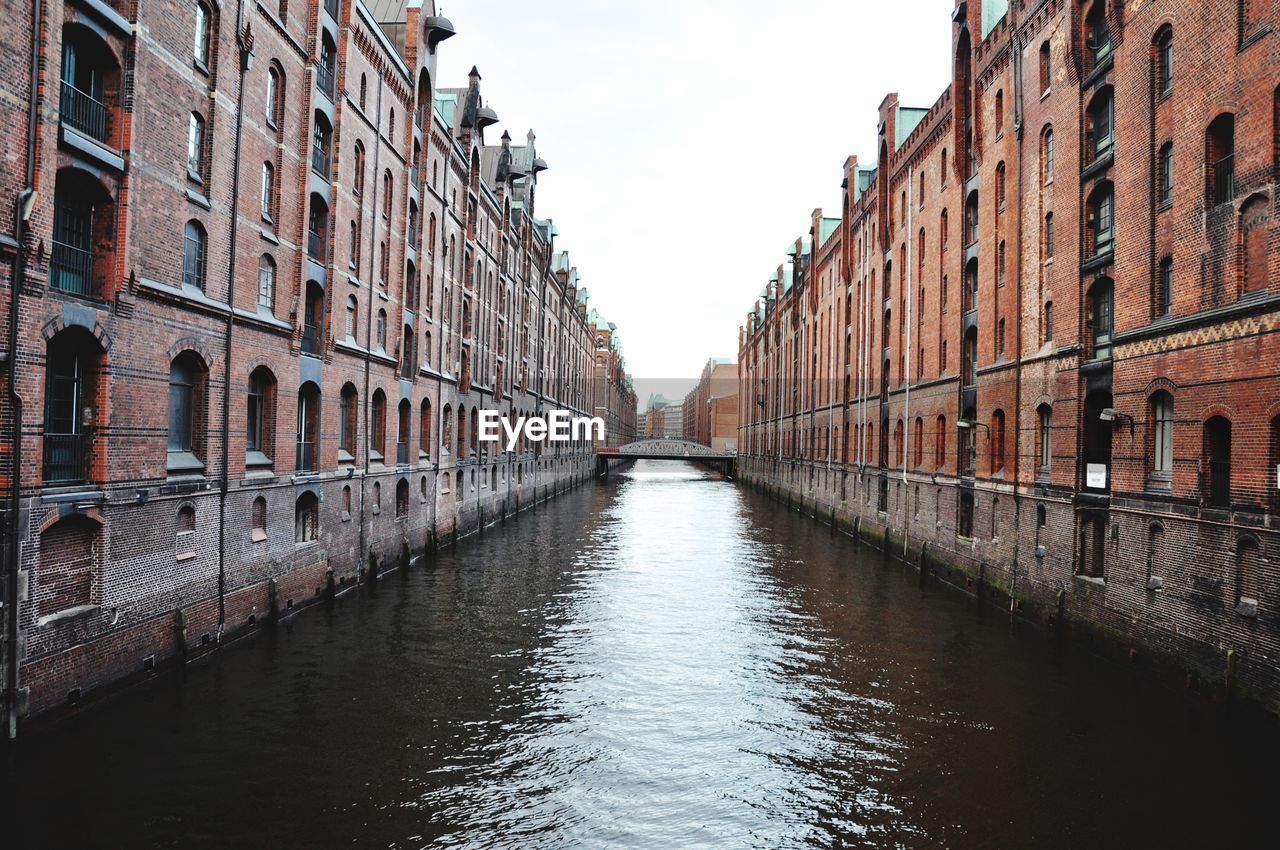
(662,660)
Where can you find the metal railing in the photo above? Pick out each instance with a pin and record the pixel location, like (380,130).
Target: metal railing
(66,458)
(324,79)
(402,452)
(306,457)
(320,160)
(310,339)
(315,246)
(71,268)
(1224,179)
(82,112)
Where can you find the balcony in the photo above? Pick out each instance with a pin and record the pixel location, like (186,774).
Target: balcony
(71,269)
(83,113)
(315,246)
(66,458)
(324,79)
(307,457)
(320,161)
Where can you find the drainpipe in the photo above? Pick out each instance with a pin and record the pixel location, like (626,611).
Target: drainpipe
(246,57)
(368,319)
(1018,129)
(21,211)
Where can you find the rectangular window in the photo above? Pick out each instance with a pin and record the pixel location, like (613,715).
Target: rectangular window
(195,146)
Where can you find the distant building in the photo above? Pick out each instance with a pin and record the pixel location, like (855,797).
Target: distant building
(663,418)
(615,397)
(711,408)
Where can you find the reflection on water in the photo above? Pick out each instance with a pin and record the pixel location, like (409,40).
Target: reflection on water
(663,660)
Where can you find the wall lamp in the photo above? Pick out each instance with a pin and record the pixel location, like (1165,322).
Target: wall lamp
(966,424)
(1110,414)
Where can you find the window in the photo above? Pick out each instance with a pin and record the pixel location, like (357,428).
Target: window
(1046,156)
(193,255)
(1155,549)
(1099,33)
(1048,321)
(201,48)
(1000,186)
(1000,338)
(325,68)
(379,424)
(266,283)
(1044,434)
(353,313)
(1099,220)
(306,518)
(346,502)
(308,434)
(313,319)
(357,181)
(1275,463)
(1048,236)
(1165,171)
(1164,50)
(268,190)
(380,331)
(1220,149)
(1098,318)
(403,424)
(1255,220)
(82,214)
(1100,125)
(1163,303)
(70,391)
(321,137)
(999,110)
(1001,260)
(997,441)
(388,185)
(348,411)
(185,532)
(195,148)
(364,90)
(971,219)
(964,528)
(918,454)
(970,292)
(424,430)
(402,498)
(1162,433)
(273,96)
(1247,576)
(317,228)
(260,417)
(940,442)
(942,231)
(1046,69)
(377,497)
(186,412)
(1217,462)
(968,366)
(258,527)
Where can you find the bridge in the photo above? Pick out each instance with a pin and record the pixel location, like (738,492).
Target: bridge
(666,449)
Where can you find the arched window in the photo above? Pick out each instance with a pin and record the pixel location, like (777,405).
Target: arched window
(317,228)
(1163,302)
(306,518)
(1100,221)
(918,444)
(380,331)
(195,147)
(313,319)
(275,96)
(403,417)
(426,349)
(942,231)
(357,167)
(353,317)
(462,432)
(186,413)
(379,424)
(1000,186)
(321,144)
(997,441)
(267,283)
(408,362)
(377,497)
(1046,69)
(1044,438)
(971,285)
(1098,43)
(364,90)
(308,436)
(1162,433)
(1217,460)
(1247,584)
(424,430)
(969,358)
(940,442)
(999,110)
(1098,319)
(268,199)
(1155,553)
(1048,236)
(898,457)
(194,260)
(185,532)
(388,187)
(402,498)
(1100,125)
(1164,191)
(260,417)
(446,430)
(258,527)
(348,413)
(1220,159)
(326,68)
(971,219)
(200,51)
(1164,62)
(83,222)
(1046,155)
(964,527)
(71,370)
(1255,220)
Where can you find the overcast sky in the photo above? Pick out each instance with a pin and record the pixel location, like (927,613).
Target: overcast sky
(689,140)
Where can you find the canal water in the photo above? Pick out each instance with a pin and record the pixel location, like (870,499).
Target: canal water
(662,660)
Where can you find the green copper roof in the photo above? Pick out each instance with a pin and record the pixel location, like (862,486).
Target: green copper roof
(446,104)
(908,119)
(992,12)
(826,227)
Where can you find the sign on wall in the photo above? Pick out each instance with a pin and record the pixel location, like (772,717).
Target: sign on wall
(1095,475)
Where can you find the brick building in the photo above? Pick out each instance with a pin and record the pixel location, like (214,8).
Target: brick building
(615,396)
(1038,340)
(711,408)
(260,276)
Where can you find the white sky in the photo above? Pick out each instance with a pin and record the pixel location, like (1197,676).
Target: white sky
(689,140)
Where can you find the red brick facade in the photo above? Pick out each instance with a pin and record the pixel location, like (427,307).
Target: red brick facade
(1032,349)
(261,274)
